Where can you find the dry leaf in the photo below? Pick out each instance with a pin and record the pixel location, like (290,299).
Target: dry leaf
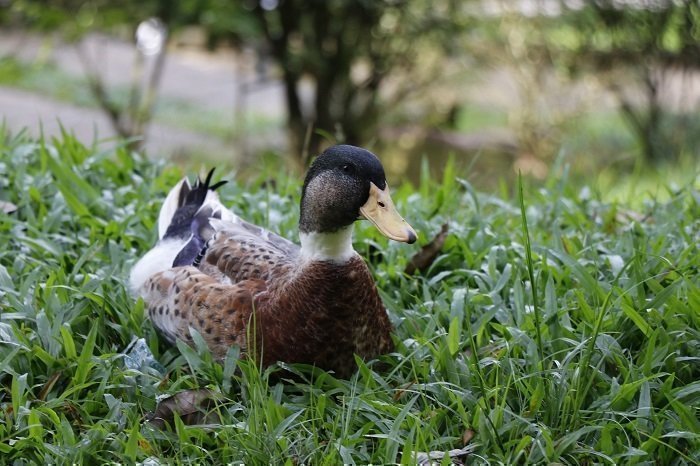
(399,393)
(427,254)
(467,436)
(49,385)
(192,406)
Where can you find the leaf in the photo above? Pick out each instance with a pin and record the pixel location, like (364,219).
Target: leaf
(638,320)
(428,253)
(457,306)
(68,342)
(36,430)
(568,442)
(191,406)
(536,399)
(84,362)
(5,279)
(17,389)
(467,436)
(46,389)
(395,433)
(131,448)
(453,336)
(688,390)
(230,364)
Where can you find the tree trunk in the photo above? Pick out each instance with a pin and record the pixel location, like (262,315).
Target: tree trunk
(646,122)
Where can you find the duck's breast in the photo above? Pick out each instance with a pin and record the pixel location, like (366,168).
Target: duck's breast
(324,315)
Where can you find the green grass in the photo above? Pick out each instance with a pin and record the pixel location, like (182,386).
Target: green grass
(570,338)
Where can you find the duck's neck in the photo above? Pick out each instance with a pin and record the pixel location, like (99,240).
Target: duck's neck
(334,247)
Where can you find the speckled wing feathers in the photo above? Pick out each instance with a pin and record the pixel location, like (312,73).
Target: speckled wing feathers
(238,254)
(185,297)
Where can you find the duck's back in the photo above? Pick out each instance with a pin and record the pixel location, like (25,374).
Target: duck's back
(240,251)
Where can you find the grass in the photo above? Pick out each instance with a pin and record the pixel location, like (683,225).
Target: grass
(552,328)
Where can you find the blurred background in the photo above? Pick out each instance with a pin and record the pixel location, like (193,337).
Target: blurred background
(608,90)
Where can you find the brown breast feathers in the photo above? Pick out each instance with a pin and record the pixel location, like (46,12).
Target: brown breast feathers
(323,316)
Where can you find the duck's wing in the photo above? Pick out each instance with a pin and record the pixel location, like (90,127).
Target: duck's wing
(215,295)
(241,251)
(207,268)
(184,297)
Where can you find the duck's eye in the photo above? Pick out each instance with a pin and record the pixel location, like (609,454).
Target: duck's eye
(348,168)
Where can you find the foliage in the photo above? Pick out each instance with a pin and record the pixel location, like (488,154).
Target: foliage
(639,52)
(571,338)
(549,106)
(47,80)
(130,115)
(349,51)
(569,60)
(346,64)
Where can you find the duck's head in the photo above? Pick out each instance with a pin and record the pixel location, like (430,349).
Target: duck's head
(347,183)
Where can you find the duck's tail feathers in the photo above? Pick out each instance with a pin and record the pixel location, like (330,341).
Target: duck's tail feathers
(179,211)
(192,220)
(183,228)
(175,199)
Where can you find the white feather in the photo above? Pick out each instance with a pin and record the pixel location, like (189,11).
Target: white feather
(218,225)
(170,205)
(212,200)
(334,247)
(158,259)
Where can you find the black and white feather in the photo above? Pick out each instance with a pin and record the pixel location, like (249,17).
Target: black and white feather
(184,227)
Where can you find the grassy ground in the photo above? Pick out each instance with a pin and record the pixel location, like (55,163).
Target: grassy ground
(579,346)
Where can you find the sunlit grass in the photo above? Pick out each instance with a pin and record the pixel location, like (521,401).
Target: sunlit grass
(612,377)
(642,183)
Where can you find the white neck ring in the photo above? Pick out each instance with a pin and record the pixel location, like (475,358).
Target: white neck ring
(334,247)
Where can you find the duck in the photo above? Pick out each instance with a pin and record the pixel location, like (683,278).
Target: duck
(238,284)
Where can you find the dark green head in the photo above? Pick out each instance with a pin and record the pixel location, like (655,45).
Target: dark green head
(346,183)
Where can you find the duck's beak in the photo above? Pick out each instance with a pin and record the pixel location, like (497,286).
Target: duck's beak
(379,209)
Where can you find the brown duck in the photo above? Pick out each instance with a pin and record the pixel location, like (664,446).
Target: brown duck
(238,284)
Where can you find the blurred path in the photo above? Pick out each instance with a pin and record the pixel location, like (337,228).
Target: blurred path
(25,110)
(211,81)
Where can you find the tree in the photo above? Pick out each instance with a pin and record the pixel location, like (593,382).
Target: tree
(128,118)
(347,49)
(638,46)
